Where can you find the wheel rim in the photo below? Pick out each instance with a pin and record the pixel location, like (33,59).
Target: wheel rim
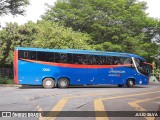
(131,82)
(63,83)
(48,83)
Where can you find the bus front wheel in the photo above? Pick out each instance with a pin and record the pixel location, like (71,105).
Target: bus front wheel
(130,83)
(63,83)
(48,83)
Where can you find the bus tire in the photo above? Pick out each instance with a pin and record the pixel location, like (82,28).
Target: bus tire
(120,85)
(48,83)
(63,83)
(130,83)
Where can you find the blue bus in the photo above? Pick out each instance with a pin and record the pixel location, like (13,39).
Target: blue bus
(67,67)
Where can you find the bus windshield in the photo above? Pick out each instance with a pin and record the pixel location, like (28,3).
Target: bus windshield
(142,67)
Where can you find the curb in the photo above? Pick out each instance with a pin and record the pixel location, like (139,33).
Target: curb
(10,85)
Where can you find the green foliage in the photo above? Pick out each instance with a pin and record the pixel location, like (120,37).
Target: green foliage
(52,35)
(108,46)
(42,34)
(114,25)
(6,80)
(13,6)
(100,18)
(13,35)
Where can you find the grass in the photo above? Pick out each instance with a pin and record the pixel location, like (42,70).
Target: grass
(6,80)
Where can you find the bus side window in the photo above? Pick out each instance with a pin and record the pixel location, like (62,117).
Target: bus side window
(116,60)
(21,54)
(79,59)
(45,56)
(33,55)
(128,61)
(61,57)
(25,54)
(69,58)
(75,59)
(109,60)
(100,60)
(91,60)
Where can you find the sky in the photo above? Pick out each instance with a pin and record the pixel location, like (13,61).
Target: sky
(33,12)
(153,8)
(37,8)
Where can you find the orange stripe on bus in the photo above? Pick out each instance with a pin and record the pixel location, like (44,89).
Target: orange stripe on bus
(76,65)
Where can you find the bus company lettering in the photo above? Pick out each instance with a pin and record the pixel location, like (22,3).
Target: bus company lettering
(116,71)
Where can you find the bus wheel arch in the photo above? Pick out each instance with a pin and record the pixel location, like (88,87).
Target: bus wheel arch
(130,82)
(63,82)
(48,82)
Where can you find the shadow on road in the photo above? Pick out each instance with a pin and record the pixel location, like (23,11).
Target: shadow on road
(84,86)
(31,87)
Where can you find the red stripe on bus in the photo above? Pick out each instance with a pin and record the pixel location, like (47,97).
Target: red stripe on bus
(16,66)
(76,65)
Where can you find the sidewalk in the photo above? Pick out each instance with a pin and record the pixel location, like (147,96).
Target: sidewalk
(10,85)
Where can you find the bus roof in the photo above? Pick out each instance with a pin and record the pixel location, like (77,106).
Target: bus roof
(77,51)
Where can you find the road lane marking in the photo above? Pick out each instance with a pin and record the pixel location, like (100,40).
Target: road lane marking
(139,108)
(60,105)
(100,107)
(98,103)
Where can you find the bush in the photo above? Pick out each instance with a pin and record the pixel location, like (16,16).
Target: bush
(6,80)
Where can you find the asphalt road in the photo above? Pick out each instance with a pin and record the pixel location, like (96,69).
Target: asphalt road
(93,98)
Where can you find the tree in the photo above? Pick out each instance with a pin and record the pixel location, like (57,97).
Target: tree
(13,36)
(6,39)
(100,18)
(42,34)
(14,7)
(52,35)
(114,25)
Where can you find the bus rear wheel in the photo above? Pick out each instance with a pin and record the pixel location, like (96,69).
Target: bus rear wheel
(63,83)
(48,83)
(130,83)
